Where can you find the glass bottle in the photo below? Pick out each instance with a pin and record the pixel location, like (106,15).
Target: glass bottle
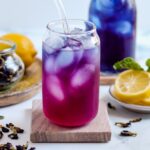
(116,26)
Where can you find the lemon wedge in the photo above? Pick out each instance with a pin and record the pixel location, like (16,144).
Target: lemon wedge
(132,86)
(146,102)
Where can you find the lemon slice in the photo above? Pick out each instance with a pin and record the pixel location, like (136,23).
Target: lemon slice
(145,102)
(132,86)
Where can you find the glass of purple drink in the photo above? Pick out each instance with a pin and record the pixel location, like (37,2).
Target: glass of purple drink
(116,25)
(71,64)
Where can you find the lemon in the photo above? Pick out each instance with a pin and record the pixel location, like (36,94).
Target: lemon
(25,48)
(146,101)
(4,46)
(132,86)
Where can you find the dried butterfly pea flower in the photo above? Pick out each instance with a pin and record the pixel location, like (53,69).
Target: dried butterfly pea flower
(111,106)
(14,128)
(18,130)
(135,120)
(22,147)
(1,134)
(32,148)
(8,146)
(128,133)
(9,125)
(5,130)
(13,136)
(19,147)
(123,125)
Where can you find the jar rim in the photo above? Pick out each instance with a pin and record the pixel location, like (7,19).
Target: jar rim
(9,43)
(60,21)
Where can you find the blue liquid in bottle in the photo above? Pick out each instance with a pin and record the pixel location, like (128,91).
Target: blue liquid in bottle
(116,25)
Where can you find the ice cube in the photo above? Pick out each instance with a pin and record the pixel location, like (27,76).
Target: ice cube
(105,7)
(122,27)
(75,44)
(54,43)
(67,55)
(92,56)
(97,21)
(88,42)
(109,5)
(55,88)
(49,64)
(47,49)
(106,3)
(77,47)
(65,58)
(77,31)
(82,75)
(79,55)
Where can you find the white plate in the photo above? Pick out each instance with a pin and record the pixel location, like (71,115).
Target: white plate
(133,107)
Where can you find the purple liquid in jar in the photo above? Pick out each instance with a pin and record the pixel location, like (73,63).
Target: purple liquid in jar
(70,80)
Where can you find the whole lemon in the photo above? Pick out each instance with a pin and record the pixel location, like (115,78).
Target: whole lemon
(4,46)
(25,48)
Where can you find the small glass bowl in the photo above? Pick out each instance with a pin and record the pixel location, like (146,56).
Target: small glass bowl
(11,66)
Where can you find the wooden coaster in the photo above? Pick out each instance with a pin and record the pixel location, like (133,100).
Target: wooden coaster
(43,131)
(26,88)
(107,80)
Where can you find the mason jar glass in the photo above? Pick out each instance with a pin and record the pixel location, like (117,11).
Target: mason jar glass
(71,72)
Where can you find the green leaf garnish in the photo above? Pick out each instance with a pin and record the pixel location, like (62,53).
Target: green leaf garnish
(127,63)
(148,64)
(1,117)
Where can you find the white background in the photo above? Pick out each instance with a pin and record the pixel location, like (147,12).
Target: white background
(25,14)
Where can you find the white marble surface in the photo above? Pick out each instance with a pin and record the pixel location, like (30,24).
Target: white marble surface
(21,115)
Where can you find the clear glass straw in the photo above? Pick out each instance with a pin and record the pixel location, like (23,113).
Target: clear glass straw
(62,14)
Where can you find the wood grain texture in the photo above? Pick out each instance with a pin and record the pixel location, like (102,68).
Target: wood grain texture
(26,88)
(43,131)
(107,80)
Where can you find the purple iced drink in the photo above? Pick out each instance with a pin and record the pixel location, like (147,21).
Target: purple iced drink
(71,79)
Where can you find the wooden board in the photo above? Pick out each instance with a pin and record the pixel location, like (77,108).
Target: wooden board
(107,80)
(43,131)
(26,88)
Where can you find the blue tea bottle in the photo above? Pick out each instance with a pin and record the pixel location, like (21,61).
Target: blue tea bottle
(116,26)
